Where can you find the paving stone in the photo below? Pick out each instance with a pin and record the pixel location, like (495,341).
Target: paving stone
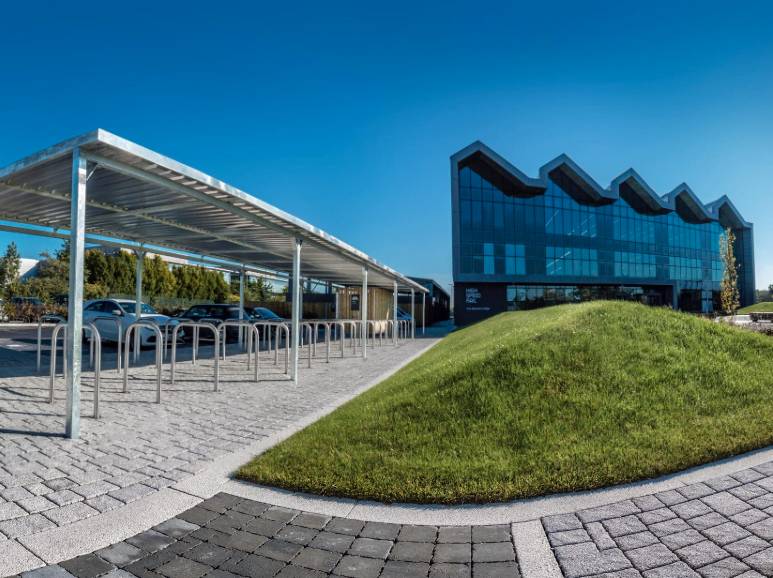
(726,568)
(682,539)
(263,527)
(675,570)
(345,526)
(410,533)
(749,517)
(151,541)
(707,521)
(722,483)
(568,537)
(746,547)
(762,502)
(317,521)
(279,550)
(209,554)
(9,510)
(616,510)
(358,567)
(64,497)
(297,572)
(667,527)
(242,541)
(251,507)
(25,526)
(691,509)
(452,571)
(670,497)
(198,515)
(48,572)
(650,557)
(315,559)
(578,560)
(104,503)
(493,552)
(400,569)
(701,554)
(561,522)
(36,504)
(256,566)
(497,533)
(748,492)
(496,570)
(181,567)
(333,542)
(638,540)
(121,553)
(221,502)
(296,534)
(88,566)
(70,513)
(94,489)
(694,491)
(59,484)
(412,551)
(622,526)
(763,529)
(454,534)
(647,503)
(655,516)
(726,533)
(15,494)
(279,514)
(725,503)
(453,553)
(748,475)
(762,561)
(380,531)
(370,548)
(176,528)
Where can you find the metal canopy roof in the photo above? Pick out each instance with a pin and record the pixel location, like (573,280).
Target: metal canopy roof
(142,196)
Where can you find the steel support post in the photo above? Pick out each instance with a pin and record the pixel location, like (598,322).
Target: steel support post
(75,301)
(394,312)
(242,275)
(138,269)
(423,313)
(364,310)
(413,315)
(296,309)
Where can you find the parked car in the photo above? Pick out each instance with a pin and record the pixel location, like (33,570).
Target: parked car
(262,314)
(3,314)
(123,310)
(215,313)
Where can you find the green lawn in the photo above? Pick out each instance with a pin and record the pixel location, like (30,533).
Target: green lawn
(758,307)
(529,403)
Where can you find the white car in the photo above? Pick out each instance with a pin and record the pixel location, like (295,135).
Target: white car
(123,310)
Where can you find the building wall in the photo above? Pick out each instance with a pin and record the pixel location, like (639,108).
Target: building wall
(558,238)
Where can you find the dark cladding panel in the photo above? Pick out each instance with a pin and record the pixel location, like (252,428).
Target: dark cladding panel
(476,301)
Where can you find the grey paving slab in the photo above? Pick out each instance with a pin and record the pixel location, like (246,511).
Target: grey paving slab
(178,548)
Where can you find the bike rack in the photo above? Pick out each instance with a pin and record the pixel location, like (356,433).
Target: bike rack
(254,339)
(119,340)
(342,334)
(49,320)
(307,327)
(223,326)
(196,325)
(96,339)
(159,353)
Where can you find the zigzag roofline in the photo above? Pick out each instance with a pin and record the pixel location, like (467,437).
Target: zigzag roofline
(628,186)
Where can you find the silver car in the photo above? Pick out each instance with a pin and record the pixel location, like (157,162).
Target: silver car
(123,310)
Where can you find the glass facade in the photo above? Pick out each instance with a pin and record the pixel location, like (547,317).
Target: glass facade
(575,250)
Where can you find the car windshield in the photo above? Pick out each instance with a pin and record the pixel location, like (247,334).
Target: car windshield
(128,306)
(264,313)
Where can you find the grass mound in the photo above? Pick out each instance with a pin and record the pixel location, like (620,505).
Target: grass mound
(763,306)
(564,398)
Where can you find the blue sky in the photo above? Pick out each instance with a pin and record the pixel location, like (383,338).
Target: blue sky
(345,113)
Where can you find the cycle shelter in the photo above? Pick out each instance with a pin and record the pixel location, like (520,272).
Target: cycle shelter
(101,189)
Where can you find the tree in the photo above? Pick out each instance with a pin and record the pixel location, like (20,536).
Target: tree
(730,297)
(10,264)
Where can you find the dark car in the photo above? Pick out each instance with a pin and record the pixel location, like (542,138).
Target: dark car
(262,314)
(215,314)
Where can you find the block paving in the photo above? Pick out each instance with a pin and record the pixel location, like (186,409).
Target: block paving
(138,447)
(231,537)
(721,528)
